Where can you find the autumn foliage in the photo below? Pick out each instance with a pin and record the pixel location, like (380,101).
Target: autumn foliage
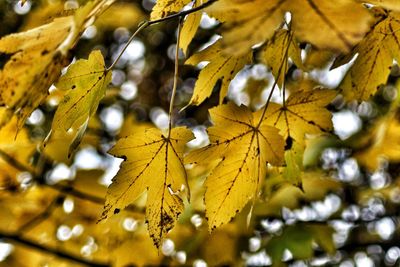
(246,147)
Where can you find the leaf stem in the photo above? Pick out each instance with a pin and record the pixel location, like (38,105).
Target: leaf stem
(176,73)
(141,27)
(147,23)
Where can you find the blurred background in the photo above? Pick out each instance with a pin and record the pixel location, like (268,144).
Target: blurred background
(345,212)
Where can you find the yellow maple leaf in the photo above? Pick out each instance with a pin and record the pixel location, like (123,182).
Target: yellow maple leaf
(274,53)
(86,81)
(37,57)
(153,163)
(375,57)
(163,8)
(341,24)
(221,67)
(241,150)
(304,113)
(189,27)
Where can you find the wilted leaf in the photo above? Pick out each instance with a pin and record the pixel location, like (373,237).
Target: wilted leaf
(341,24)
(221,67)
(153,164)
(303,113)
(241,150)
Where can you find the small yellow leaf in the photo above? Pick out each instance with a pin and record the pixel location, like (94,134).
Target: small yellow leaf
(274,54)
(303,113)
(164,8)
(221,67)
(86,81)
(292,172)
(340,24)
(189,27)
(241,150)
(375,57)
(153,163)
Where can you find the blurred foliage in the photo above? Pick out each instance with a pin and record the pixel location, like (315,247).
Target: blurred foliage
(334,201)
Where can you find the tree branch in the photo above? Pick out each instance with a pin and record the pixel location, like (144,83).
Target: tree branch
(145,24)
(14,238)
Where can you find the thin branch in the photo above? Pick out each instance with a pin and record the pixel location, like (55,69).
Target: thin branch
(13,238)
(175,85)
(183,13)
(40,217)
(141,27)
(145,24)
(276,80)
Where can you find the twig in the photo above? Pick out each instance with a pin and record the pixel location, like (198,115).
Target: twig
(14,238)
(40,217)
(145,24)
(276,81)
(175,85)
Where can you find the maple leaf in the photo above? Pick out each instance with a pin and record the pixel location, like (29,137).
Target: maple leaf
(37,57)
(86,81)
(189,27)
(375,58)
(163,8)
(303,113)
(221,67)
(242,149)
(341,24)
(153,163)
(274,53)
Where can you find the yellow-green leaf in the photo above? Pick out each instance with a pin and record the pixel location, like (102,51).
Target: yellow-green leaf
(86,81)
(220,67)
(374,60)
(294,163)
(241,149)
(304,113)
(164,8)
(298,239)
(153,163)
(340,24)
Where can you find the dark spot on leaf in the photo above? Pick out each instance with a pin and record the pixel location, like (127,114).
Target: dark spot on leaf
(116,211)
(289,143)
(73,87)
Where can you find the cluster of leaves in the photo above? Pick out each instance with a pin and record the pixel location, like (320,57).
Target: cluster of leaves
(255,151)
